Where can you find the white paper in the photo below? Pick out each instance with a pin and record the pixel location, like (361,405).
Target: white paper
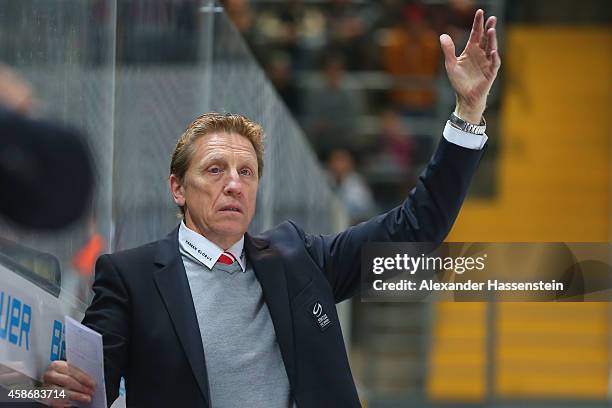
(84,351)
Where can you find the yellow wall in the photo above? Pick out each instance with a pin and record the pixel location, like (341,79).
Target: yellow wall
(554,185)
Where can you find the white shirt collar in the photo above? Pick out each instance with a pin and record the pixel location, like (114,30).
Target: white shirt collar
(206,251)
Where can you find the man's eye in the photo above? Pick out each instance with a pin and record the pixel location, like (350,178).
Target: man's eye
(246,172)
(214,170)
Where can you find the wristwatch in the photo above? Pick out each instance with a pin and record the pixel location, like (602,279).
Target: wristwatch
(468,127)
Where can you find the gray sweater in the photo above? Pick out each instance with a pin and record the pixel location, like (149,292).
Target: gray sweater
(243,360)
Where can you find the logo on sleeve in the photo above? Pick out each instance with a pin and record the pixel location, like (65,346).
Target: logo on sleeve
(318,314)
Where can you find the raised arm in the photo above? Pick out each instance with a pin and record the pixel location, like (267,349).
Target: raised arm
(429,211)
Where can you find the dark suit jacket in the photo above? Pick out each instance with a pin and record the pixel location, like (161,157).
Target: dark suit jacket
(144,309)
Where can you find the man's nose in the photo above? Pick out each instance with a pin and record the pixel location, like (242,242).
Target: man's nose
(233,185)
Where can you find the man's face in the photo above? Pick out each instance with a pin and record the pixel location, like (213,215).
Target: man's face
(219,190)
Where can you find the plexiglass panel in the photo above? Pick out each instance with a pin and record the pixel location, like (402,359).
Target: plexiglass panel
(65,50)
(130,75)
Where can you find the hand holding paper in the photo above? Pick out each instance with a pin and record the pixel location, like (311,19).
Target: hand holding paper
(82,376)
(84,351)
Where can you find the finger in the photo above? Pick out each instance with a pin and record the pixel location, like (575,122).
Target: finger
(491,41)
(66,381)
(496,60)
(448,49)
(59,365)
(78,396)
(63,367)
(477,27)
(491,22)
(82,377)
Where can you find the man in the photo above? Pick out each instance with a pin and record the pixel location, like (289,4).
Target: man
(212,316)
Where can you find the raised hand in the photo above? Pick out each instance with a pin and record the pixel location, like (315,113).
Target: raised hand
(473,72)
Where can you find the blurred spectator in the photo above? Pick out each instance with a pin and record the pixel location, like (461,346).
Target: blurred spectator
(462,13)
(293,28)
(279,71)
(348,30)
(278,28)
(351,189)
(239,11)
(395,140)
(454,19)
(332,110)
(411,51)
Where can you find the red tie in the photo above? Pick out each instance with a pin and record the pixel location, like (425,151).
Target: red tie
(226,258)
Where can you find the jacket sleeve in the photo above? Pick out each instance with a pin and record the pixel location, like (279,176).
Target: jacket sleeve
(427,215)
(109,315)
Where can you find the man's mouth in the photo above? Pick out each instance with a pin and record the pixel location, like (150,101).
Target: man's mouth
(231,209)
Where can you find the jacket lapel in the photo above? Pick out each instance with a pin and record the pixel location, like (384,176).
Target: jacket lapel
(173,286)
(270,272)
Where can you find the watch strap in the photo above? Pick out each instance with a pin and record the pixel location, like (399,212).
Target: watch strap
(465,126)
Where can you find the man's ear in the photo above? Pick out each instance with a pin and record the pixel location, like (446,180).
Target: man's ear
(177,190)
